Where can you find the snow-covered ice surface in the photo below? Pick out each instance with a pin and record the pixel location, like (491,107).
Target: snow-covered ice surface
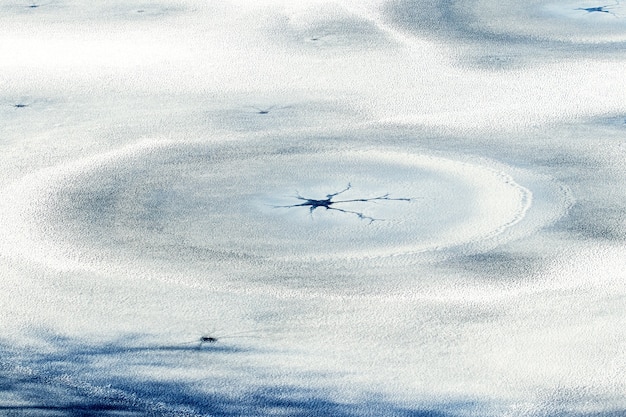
(366,208)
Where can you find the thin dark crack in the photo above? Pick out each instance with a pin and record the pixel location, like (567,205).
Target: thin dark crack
(329,204)
(601,9)
(212,338)
(265,110)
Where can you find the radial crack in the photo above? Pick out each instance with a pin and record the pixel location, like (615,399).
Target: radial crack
(329,204)
(601,9)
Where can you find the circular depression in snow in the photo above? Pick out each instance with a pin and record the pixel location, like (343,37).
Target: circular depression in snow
(241,202)
(578,21)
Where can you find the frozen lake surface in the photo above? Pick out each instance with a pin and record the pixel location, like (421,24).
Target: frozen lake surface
(356,208)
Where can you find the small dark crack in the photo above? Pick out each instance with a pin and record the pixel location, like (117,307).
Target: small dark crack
(212,338)
(265,110)
(601,9)
(329,204)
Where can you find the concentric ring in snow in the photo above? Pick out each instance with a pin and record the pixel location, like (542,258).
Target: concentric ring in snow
(214,205)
